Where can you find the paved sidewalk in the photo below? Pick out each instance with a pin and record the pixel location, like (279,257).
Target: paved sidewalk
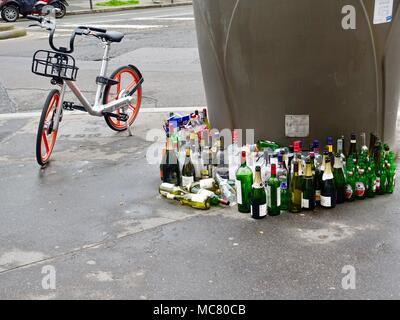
(95,215)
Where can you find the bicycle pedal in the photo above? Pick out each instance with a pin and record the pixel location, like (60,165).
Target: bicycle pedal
(123,117)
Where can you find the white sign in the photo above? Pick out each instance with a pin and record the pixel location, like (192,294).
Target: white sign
(297,126)
(383,11)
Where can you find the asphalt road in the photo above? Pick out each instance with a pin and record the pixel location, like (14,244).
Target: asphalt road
(161,42)
(94,215)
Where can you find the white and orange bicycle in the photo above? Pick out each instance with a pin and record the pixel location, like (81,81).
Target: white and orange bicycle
(118,97)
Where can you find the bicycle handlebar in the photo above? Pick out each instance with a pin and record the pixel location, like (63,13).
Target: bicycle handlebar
(51,26)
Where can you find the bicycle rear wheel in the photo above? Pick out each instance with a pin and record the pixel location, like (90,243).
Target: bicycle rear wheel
(47,135)
(127,77)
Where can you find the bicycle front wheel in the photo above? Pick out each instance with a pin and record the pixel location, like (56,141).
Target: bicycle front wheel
(47,135)
(128,77)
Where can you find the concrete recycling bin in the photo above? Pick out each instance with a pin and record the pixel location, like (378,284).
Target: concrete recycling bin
(301,68)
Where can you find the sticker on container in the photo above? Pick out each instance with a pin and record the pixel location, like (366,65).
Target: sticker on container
(383,12)
(326,202)
(305,203)
(206,183)
(198,198)
(348,191)
(239,192)
(297,126)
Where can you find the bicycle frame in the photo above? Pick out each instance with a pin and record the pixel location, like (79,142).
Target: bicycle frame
(98,109)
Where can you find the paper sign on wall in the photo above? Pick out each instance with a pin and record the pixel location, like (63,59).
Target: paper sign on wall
(383,11)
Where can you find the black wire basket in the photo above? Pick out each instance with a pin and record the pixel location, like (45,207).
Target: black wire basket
(54,65)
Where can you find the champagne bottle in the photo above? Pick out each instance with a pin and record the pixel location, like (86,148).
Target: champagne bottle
(244,181)
(295,190)
(274,193)
(188,171)
(391,173)
(340,152)
(282,174)
(353,153)
(372,142)
(361,184)
(192,200)
(308,194)
(258,197)
(350,188)
(371,179)
(208,184)
(329,146)
(364,149)
(170,165)
(340,179)
(328,190)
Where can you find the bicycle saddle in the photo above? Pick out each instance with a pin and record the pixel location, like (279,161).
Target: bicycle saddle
(111,36)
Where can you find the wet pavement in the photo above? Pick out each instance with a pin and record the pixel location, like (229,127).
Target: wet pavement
(94,214)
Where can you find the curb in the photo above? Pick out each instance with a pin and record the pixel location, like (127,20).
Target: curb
(125,8)
(6,27)
(13,33)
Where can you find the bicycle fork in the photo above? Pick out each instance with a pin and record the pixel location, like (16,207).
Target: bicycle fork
(59,106)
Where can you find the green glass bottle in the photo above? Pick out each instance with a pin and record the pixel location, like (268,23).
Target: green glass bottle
(192,200)
(353,153)
(308,198)
(340,179)
(264,144)
(244,182)
(258,197)
(282,174)
(361,184)
(295,190)
(371,179)
(328,189)
(381,178)
(274,193)
(391,173)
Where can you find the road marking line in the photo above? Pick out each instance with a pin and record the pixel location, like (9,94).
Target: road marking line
(164,19)
(27,115)
(116,26)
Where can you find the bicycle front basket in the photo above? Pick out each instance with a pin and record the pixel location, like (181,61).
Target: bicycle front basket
(54,65)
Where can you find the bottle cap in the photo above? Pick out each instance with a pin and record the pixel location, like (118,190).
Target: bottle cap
(258,169)
(297,146)
(243,154)
(273,169)
(329,141)
(353,136)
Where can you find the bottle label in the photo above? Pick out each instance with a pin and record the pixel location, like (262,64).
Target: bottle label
(318,195)
(205,193)
(198,198)
(348,192)
(360,189)
(206,183)
(278,197)
(258,210)
(187,181)
(305,203)
(326,202)
(378,183)
(239,191)
(170,196)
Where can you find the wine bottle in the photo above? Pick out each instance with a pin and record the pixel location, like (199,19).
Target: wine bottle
(339,178)
(208,184)
(244,181)
(171,188)
(308,194)
(234,155)
(188,171)
(364,149)
(328,190)
(295,190)
(282,174)
(329,145)
(214,199)
(206,122)
(391,173)
(265,144)
(222,162)
(340,152)
(170,165)
(273,193)
(371,179)
(227,191)
(258,197)
(372,142)
(192,200)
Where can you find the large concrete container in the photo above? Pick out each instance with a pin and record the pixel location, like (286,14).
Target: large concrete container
(301,68)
